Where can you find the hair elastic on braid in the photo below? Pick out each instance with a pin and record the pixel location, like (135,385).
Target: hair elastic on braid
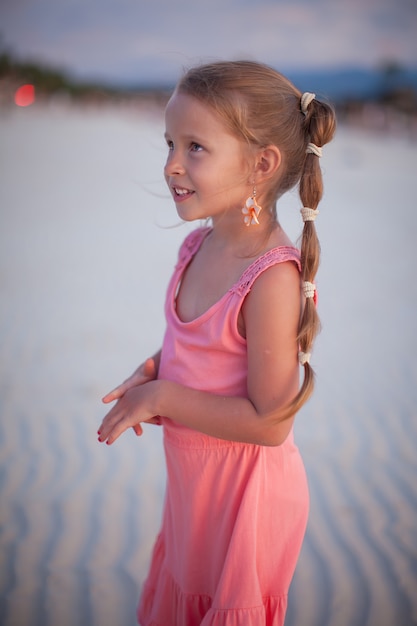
(304,357)
(313,149)
(309,289)
(306,99)
(309,215)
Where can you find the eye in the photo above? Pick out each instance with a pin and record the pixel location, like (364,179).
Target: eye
(170,144)
(196,147)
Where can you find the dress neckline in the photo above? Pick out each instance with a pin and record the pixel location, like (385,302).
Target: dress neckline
(243,280)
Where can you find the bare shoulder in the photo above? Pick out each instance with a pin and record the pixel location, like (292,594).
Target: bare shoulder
(273,301)
(280,280)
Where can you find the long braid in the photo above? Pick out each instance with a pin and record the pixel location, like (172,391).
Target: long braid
(319,126)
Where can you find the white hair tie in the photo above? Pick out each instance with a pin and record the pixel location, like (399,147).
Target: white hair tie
(309,289)
(309,215)
(313,149)
(304,357)
(306,99)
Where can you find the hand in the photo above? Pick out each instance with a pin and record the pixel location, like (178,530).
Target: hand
(133,407)
(143,374)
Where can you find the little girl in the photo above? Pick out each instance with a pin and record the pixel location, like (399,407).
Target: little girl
(241,316)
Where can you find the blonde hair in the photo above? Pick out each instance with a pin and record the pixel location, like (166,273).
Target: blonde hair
(263,107)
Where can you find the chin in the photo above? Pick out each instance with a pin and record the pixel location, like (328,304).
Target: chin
(189,217)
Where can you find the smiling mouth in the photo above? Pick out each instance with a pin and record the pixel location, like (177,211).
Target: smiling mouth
(181,192)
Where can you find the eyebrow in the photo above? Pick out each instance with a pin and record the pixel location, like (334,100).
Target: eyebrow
(188,137)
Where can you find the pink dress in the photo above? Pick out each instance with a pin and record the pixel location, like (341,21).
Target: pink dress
(235,514)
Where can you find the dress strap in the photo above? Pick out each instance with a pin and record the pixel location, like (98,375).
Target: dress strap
(262,263)
(190,245)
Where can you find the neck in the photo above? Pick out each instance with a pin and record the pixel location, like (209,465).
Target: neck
(232,232)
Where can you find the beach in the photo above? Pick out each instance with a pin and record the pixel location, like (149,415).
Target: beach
(88,240)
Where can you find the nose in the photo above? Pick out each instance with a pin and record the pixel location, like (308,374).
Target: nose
(174,165)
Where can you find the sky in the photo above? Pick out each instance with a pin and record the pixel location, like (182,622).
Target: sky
(151,41)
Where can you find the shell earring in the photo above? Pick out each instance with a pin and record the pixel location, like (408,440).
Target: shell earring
(251,209)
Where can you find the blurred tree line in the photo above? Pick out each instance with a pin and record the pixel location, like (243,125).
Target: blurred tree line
(49,81)
(45,79)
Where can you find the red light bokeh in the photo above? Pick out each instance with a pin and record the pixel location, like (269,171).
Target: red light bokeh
(25,95)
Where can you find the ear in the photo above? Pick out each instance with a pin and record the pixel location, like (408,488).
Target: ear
(268,163)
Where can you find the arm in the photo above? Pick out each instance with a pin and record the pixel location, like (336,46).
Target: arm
(271,313)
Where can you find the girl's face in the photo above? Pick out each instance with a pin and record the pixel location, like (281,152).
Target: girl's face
(207,169)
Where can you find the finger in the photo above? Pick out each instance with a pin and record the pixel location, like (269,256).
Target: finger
(116,431)
(116,422)
(149,369)
(118,392)
(109,433)
(138,429)
(121,389)
(115,394)
(109,421)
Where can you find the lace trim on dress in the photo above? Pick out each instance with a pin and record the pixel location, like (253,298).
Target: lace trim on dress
(273,256)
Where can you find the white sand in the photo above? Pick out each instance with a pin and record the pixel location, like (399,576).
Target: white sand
(84,262)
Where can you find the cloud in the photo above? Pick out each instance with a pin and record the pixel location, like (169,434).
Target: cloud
(153,39)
